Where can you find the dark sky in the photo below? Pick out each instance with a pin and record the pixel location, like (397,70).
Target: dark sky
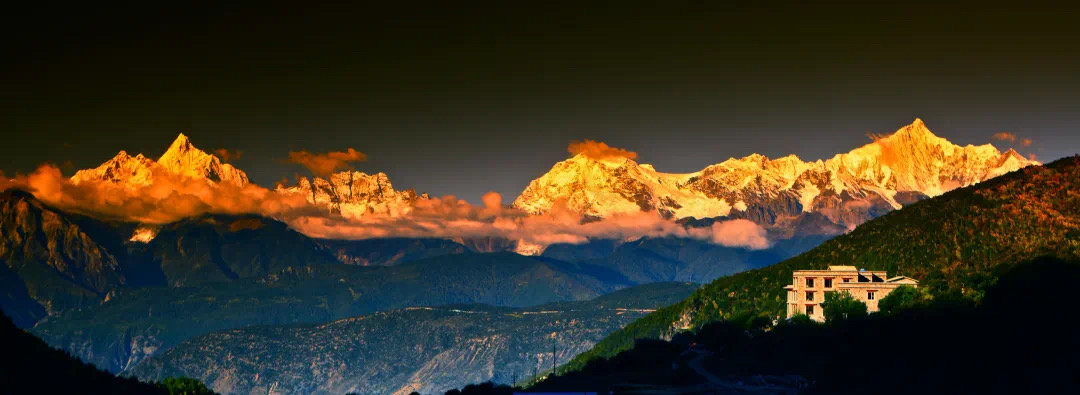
(455,99)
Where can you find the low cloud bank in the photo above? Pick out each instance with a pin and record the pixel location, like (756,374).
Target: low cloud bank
(172,198)
(450,217)
(168,198)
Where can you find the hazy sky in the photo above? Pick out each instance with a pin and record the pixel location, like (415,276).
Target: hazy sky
(461,100)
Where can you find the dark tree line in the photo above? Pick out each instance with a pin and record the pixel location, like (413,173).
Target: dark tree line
(1016,340)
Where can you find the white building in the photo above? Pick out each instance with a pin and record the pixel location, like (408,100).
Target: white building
(808,288)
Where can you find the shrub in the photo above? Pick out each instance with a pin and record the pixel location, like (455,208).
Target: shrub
(842,306)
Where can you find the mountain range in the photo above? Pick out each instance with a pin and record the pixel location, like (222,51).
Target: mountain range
(119,293)
(847,189)
(355,194)
(956,245)
(784,194)
(180,159)
(424,349)
(130,323)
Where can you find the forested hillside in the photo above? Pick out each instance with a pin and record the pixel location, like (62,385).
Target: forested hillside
(29,366)
(956,245)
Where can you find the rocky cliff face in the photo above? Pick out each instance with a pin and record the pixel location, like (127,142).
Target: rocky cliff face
(424,349)
(55,262)
(354,194)
(52,257)
(848,189)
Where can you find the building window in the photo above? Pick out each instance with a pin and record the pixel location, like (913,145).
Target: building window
(869,295)
(809,282)
(810,296)
(828,283)
(847,280)
(810,310)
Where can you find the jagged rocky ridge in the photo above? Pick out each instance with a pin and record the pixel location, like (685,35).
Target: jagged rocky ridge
(180,159)
(354,194)
(847,189)
(51,261)
(956,245)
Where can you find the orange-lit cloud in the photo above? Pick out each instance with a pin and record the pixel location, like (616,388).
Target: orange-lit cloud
(599,150)
(1032,157)
(284,181)
(173,197)
(1025,142)
(889,152)
(492,200)
(227,154)
(168,198)
(325,164)
(449,217)
(1005,136)
(739,233)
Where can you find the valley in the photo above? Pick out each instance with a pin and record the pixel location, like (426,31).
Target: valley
(148,298)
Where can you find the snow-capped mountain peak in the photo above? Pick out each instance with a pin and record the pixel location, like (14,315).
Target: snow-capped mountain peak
(354,194)
(180,145)
(181,159)
(848,188)
(122,168)
(600,187)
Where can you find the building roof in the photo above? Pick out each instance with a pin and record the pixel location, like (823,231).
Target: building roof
(902,279)
(843,268)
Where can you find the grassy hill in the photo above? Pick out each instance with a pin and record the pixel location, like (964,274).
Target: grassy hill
(956,245)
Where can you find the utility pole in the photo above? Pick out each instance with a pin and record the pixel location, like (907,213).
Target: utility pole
(553,337)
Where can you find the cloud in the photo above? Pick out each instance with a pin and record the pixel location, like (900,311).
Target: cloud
(1025,142)
(739,233)
(599,150)
(285,182)
(325,164)
(1032,157)
(227,154)
(889,153)
(449,217)
(168,198)
(1005,136)
(173,197)
(492,199)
